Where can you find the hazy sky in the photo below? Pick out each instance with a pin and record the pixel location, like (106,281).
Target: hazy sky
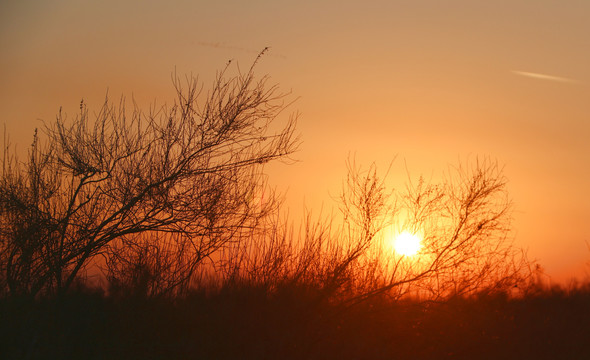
(432,82)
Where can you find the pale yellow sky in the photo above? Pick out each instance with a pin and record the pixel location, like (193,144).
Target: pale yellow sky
(429,81)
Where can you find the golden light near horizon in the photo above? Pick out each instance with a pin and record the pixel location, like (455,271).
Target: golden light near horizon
(407,243)
(447,81)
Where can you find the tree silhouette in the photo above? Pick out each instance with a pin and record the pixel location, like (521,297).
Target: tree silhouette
(464,222)
(190,173)
(466,249)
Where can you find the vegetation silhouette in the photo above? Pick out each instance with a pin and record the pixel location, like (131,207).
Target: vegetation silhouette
(196,262)
(247,322)
(187,172)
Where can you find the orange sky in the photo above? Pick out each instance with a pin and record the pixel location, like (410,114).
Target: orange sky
(429,81)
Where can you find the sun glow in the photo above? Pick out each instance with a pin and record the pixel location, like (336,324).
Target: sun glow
(407,244)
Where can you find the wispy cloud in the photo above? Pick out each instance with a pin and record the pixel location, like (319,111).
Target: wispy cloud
(219,45)
(544,76)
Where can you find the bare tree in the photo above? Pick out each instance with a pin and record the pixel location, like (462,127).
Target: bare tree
(464,223)
(192,171)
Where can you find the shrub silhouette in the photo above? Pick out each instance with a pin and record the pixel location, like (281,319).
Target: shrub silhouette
(466,249)
(193,169)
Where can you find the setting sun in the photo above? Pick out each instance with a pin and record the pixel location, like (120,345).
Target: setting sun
(407,244)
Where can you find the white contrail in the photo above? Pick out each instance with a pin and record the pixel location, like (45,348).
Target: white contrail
(544,76)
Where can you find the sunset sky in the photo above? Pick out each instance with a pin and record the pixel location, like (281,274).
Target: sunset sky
(430,83)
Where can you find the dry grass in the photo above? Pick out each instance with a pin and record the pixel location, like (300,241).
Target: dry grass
(248,322)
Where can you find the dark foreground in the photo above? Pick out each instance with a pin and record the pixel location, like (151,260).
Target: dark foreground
(249,324)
